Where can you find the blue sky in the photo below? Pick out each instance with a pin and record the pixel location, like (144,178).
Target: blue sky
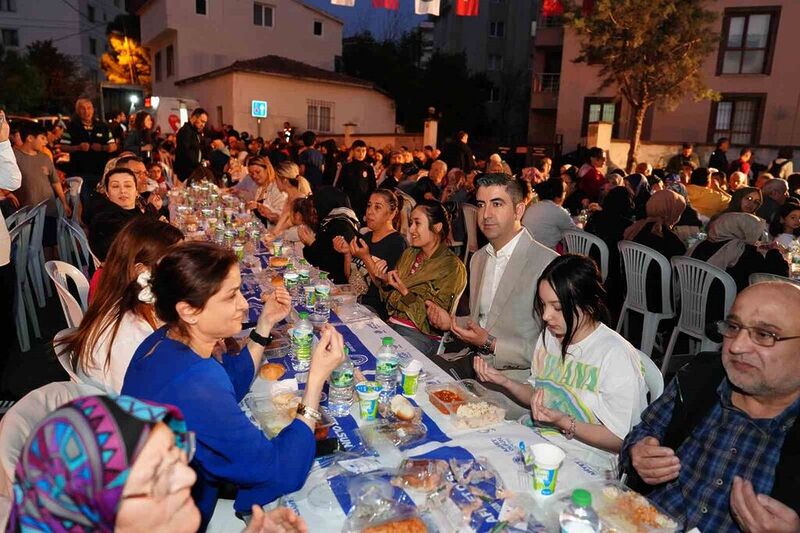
(381,22)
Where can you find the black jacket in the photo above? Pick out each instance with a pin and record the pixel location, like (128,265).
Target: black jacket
(357,181)
(188,151)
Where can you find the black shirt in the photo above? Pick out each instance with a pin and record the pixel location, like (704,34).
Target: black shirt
(390,248)
(91,163)
(357,180)
(424,186)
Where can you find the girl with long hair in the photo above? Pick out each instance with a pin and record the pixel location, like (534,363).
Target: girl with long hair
(786,227)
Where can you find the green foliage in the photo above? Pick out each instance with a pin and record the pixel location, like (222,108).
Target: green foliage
(63,82)
(22,86)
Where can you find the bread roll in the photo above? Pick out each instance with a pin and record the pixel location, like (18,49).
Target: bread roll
(278,262)
(272,371)
(402,408)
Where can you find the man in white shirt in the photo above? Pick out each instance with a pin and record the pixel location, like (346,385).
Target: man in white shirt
(503,277)
(10,180)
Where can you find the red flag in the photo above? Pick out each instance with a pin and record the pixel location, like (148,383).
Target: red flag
(386,4)
(552,8)
(467,8)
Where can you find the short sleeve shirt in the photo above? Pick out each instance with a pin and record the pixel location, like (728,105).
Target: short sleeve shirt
(89,163)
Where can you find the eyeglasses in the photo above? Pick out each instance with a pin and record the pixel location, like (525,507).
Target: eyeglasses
(163,479)
(762,337)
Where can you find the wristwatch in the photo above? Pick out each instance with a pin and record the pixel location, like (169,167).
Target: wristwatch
(259,339)
(308,412)
(487,346)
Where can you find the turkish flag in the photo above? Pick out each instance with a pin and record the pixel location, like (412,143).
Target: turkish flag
(467,8)
(386,4)
(551,8)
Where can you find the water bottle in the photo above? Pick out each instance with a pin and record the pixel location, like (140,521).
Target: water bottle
(578,516)
(291,281)
(302,339)
(340,389)
(322,298)
(794,267)
(386,368)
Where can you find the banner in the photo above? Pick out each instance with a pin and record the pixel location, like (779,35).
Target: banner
(467,8)
(345,3)
(552,8)
(386,4)
(426,7)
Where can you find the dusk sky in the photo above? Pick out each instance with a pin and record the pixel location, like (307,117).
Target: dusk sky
(381,22)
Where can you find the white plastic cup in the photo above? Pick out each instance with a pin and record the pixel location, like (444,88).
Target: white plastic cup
(547,459)
(410,377)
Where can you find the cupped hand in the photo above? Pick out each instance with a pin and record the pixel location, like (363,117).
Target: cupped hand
(359,248)
(381,265)
(327,355)
(759,513)
(545,415)
(306,235)
(277,306)
(438,317)
(280,520)
(471,332)
(654,463)
(487,372)
(393,279)
(341,245)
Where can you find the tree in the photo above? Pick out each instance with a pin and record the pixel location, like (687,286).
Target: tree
(22,86)
(63,80)
(651,51)
(126,61)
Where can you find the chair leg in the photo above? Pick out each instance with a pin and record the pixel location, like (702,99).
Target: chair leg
(43,273)
(621,321)
(670,348)
(650,326)
(26,291)
(34,282)
(22,324)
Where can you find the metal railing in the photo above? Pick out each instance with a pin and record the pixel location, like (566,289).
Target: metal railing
(546,82)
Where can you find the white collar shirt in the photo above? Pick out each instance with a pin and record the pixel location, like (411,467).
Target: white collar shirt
(496,264)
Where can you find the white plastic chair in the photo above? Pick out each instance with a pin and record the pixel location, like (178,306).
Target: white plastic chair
(636,259)
(63,355)
(62,234)
(471,226)
(59,271)
(758,277)
(581,242)
(80,249)
(693,279)
(24,308)
(445,336)
(16,216)
(39,281)
(653,377)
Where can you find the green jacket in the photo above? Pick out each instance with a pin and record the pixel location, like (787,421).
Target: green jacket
(441,279)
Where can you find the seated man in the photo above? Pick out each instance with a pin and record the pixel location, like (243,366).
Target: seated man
(705,195)
(503,277)
(719,449)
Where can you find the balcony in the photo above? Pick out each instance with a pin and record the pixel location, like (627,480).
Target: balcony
(544,90)
(549,31)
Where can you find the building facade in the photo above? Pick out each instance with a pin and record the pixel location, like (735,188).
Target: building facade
(753,69)
(77,28)
(187,38)
(497,43)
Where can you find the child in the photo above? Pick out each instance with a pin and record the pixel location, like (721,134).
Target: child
(786,227)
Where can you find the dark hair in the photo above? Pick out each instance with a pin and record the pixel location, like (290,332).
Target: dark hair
(199,111)
(201,173)
(794,181)
(539,165)
(576,281)
(395,202)
(428,147)
(572,172)
(785,152)
(138,122)
(308,138)
(358,143)
(619,172)
(460,135)
(117,170)
(684,146)
(190,272)
(512,186)
(436,214)
(305,207)
(699,177)
(127,159)
(776,226)
(721,140)
(28,127)
(595,152)
(550,189)
(745,150)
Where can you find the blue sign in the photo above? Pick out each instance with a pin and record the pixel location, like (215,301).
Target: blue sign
(259,109)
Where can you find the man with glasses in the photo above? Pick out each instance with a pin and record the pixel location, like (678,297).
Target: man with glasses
(720,449)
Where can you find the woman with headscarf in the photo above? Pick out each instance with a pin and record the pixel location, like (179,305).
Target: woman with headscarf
(689,224)
(640,191)
(335,219)
(745,200)
(732,245)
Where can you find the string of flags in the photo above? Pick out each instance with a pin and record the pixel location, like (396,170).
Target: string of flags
(464,8)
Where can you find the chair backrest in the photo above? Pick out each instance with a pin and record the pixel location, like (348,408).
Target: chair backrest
(80,240)
(636,260)
(20,236)
(38,227)
(693,280)
(405,213)
(16,216)
(471,225)
(758,277)
(581,242)
(59,271)
(17,424)
(63,355)
(75,185)
(653,377)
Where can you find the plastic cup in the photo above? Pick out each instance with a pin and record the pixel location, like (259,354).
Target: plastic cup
(410,378)
(547,459)
(277,247)
(368,393)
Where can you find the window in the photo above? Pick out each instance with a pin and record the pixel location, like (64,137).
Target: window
(320,116)
(8,5)
(93,46)
(738,117)
(497,29)
(157,61)
(495,62)
(494,95)
(318,28)
(263,15)
(10,37)
(599,109)
(748,41)
(201,7)
(170,61)
(90,13)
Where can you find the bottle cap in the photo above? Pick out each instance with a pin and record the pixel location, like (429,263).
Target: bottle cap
(346,351)
(323,275)
(387,341)
(582,498)
(303,315)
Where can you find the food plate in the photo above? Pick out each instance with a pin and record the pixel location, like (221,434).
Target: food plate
(448,397)
(513,411)
(274,413)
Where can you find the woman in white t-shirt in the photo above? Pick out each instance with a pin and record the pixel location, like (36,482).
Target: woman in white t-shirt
(586,389)
(120,315)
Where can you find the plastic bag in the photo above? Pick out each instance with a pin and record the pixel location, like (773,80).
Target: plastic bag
(374,509)
(425,475)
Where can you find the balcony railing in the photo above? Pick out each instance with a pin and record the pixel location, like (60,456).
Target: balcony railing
(546,82)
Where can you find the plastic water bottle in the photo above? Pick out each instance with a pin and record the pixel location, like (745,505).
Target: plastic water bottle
(302,339)
(340,389)
(386,368)
(322,298)
(579,516)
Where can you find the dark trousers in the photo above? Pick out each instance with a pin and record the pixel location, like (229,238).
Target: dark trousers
(7,324)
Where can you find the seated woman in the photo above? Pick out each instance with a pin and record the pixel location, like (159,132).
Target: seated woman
(689,224)
(640,191)
(294,186)
(732,245)
(547,220)
(786,227)
(377,251)
(120,315)
(198,297)
(576,199)
(268,201)
(586,389)
(428,270)
(336,219)
(745,200)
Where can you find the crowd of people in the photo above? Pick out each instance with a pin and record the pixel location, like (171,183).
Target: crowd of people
(717,450)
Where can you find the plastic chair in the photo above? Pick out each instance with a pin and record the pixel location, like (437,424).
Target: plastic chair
(62,234)
(636,259)
(758,277)
(39,281)
(75,185)
(16,216)
(63,355)
(24,307)
(81,251)
(581,242)
(446,337)
(653,377)
(59,271)
(471,225)
(693,279)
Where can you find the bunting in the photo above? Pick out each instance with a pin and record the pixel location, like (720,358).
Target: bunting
(386,4)
(345,3)
(467,8)
(426,7)
(552,8)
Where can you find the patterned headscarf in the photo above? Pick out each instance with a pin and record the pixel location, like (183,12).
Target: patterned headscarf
(72,471)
